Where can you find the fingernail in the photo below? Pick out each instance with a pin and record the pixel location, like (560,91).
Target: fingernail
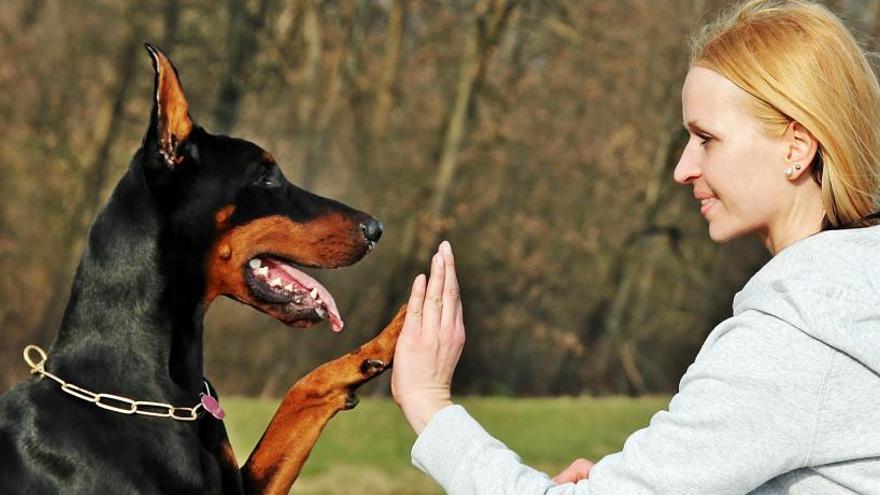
(446,247)
(438,259)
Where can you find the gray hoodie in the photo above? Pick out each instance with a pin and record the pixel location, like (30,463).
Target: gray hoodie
(783,397)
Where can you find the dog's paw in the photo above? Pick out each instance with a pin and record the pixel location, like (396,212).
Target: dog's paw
(351,400)
(372,367)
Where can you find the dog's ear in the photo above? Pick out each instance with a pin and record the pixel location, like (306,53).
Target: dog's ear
(170,123)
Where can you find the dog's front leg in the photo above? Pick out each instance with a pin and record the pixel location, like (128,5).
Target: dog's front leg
(277,459)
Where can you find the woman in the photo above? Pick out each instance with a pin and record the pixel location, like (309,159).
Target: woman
(784,396)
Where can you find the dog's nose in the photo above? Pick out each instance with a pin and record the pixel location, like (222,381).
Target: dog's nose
(372,230)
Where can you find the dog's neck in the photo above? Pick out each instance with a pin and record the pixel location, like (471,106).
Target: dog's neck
(133,324)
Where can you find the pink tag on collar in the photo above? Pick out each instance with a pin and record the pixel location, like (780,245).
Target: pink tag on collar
(212,406)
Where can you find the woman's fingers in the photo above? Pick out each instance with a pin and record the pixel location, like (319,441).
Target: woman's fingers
(430,343)
(449,321)
(412,324)
(433,304)
(576,471)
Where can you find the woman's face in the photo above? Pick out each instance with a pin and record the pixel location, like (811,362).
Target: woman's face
(735,168)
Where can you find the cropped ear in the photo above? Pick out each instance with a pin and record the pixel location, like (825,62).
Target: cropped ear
(170,122)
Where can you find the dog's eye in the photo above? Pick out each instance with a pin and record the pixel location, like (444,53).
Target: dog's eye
(269,177)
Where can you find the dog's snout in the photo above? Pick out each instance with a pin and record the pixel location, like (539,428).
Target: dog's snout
(372,230)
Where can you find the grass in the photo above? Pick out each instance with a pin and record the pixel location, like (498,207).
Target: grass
(371,445)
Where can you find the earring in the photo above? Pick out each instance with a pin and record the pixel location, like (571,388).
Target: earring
(788,172)
(797,166)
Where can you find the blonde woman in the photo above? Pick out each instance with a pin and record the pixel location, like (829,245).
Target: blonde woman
(783,112)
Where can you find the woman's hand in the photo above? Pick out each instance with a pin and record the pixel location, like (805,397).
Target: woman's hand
(430,343)
(576,471)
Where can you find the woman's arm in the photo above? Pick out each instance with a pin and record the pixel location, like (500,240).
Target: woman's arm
(745,411)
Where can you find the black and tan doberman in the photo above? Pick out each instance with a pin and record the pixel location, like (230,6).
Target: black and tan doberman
(119,403)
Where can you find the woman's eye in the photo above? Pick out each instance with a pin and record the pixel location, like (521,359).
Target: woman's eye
(704,139)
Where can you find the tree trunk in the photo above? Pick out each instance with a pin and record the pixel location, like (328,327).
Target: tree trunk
(241,48)
(630,263)
(384,91)
(172,20)
(423,229)
(315,120)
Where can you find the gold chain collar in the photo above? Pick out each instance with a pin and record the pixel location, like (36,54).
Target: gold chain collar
(111,402)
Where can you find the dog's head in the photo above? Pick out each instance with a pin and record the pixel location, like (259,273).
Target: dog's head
(227,201)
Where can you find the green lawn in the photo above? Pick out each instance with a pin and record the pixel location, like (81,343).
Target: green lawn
(370,445)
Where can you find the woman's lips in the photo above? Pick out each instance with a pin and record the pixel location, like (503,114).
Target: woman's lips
(706,204)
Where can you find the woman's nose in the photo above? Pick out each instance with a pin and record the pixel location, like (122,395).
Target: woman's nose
(688,167)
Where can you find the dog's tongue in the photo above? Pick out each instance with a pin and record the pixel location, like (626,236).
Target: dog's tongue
(323,294)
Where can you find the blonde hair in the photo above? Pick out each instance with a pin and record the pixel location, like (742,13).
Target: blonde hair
(800,63)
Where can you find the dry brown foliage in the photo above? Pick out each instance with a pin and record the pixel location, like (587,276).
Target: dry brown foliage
(584,268)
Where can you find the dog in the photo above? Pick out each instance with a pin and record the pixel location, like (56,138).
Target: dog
(120,404)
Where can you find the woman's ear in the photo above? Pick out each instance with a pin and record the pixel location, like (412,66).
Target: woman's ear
(803,147)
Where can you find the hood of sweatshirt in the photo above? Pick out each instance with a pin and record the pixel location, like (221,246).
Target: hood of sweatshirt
(828,286)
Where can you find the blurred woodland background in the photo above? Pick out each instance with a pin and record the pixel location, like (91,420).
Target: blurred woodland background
(538,136)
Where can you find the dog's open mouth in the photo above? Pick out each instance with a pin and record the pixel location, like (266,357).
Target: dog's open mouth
(303,299)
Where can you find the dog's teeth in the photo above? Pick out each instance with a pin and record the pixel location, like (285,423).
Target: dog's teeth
(255,263)
(276,282)
(298,299)
(320,311)
(314,293)
(288,287)
(264,271)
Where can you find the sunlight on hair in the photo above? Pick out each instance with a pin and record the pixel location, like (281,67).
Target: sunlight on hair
(800,63)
